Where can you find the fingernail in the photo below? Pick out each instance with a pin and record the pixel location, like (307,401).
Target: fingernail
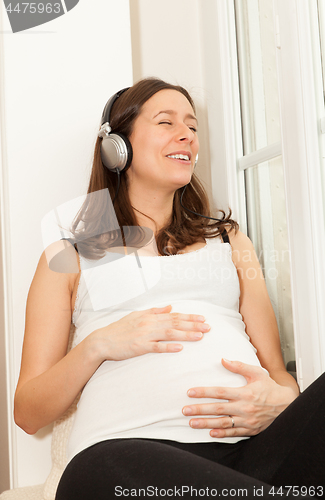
(177,347)
(206,327)
(194,423)
(200,318)
(191,392)
(198,335)
(187,411)
(228,360)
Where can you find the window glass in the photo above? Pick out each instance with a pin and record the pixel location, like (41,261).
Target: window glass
(258,74)
(267,226)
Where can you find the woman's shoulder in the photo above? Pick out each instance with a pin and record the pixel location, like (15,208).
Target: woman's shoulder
(61,257)
(58,267)
(239,239)
(242,246)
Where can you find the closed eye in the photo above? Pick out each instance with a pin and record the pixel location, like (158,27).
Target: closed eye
(194,130)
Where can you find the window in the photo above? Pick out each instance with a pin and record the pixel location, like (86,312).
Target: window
(267,134)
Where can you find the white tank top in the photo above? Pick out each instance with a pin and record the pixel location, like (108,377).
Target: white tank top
(143,397)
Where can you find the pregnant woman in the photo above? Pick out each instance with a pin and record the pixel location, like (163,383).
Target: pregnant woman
(176,350)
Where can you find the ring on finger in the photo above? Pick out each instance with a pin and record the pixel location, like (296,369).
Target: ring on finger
(232,421)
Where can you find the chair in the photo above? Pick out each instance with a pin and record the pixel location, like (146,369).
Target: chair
(60,436)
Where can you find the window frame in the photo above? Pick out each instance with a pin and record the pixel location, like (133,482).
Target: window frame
(302,170)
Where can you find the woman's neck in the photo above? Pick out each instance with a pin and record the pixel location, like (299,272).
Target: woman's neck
(150,206)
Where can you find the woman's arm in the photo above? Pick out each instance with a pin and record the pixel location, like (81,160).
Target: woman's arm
(254,406)
(50,379)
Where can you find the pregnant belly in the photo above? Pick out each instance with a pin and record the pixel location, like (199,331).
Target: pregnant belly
(153,387)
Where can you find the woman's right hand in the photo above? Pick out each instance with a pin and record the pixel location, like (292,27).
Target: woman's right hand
(141,332)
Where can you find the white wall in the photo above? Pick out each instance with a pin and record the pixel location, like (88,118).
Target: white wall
(4,444)
(166,43)
(57,78)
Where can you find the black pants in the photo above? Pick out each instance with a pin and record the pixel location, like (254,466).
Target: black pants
(289,453)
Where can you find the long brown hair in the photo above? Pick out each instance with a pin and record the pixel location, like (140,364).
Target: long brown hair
(183,229)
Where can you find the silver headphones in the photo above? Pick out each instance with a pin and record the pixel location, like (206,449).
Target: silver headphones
(116,149)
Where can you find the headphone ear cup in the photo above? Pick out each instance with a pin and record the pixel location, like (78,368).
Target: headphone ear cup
(116,152)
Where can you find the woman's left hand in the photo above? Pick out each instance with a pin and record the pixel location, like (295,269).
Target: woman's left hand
(240,411)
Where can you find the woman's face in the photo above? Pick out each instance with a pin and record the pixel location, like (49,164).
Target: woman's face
(164,142)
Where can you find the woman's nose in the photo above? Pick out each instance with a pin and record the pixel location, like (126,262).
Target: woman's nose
(185,134)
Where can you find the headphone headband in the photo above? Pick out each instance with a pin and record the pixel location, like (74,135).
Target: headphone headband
(107,110)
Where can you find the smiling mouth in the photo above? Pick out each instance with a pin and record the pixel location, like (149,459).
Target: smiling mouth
(183,157)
